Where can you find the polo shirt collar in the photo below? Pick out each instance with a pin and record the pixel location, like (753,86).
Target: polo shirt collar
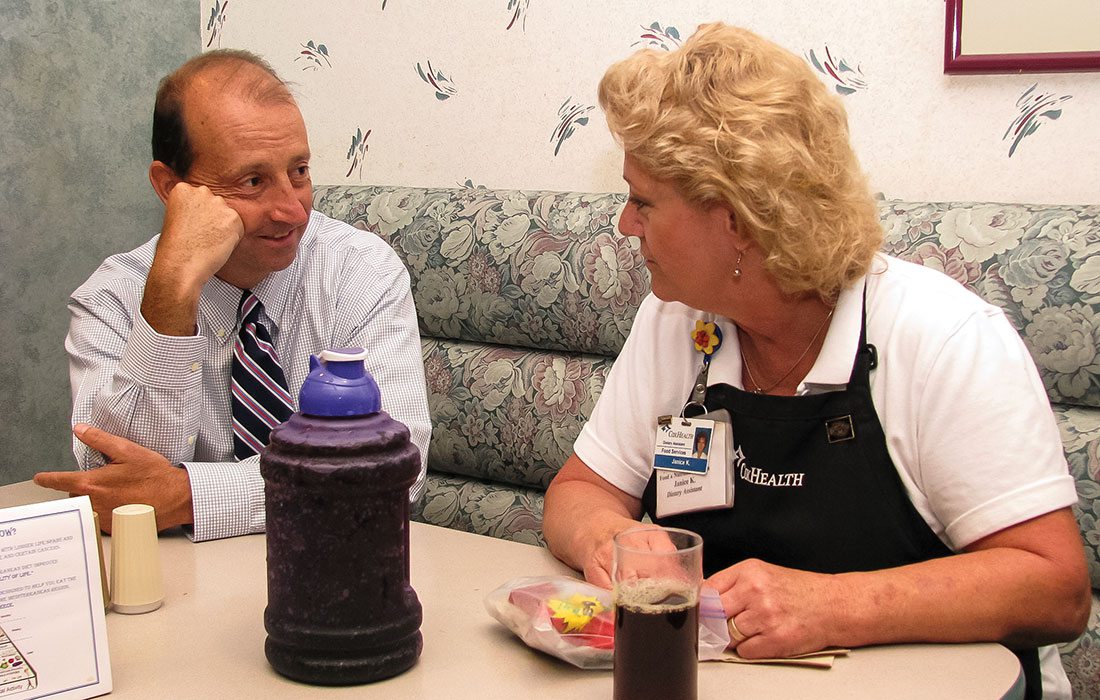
(833,367)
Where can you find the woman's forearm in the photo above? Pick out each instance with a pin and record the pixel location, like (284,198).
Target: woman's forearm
(1022,596)
(583,512)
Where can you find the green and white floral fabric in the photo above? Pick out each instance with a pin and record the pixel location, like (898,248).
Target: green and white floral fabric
(525,298)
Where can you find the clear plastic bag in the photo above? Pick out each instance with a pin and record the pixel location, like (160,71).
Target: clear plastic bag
(574,620)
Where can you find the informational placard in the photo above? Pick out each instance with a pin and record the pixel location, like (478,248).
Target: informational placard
(53,636)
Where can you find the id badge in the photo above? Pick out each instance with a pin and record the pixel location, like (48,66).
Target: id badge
(693,461)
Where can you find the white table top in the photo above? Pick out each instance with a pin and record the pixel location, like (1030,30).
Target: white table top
(208,638)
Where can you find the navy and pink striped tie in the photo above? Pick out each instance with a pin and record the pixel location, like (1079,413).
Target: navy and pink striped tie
(259,394)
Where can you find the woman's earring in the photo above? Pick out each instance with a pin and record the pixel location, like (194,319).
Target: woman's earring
(737,265)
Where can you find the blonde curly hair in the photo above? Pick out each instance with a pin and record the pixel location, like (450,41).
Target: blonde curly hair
(731,117)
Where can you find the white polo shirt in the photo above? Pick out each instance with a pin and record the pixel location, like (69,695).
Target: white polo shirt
(967,420)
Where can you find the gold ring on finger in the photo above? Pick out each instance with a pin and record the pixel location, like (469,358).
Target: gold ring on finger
(735,634)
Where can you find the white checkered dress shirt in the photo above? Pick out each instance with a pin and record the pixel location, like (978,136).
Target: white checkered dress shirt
(346,288)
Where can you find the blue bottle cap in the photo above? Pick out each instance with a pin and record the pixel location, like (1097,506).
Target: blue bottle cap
(339,385)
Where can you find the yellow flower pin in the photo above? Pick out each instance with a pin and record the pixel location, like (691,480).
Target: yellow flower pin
(706,337)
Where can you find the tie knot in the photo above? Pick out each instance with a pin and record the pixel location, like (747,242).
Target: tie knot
(249,309)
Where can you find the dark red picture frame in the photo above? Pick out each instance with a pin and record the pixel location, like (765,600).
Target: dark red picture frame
(954,61)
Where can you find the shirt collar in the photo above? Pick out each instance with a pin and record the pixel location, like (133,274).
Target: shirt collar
(272,291)
(218,309)
(833,367)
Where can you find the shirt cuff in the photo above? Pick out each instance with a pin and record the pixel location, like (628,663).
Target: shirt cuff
(227,498)
(165,361)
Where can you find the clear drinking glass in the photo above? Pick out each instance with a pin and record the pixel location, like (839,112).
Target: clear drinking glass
(656,574)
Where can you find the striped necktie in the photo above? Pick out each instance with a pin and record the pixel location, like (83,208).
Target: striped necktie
(259,394)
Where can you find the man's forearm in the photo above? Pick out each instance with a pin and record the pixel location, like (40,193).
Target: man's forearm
(131,383)
(170,304)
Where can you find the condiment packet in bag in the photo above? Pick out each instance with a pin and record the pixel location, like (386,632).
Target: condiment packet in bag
(573,620)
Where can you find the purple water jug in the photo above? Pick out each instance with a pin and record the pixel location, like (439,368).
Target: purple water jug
(340,609)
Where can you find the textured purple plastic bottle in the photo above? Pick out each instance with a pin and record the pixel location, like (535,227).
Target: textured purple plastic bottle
(340,607)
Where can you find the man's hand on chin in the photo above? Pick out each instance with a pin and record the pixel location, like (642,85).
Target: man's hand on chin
(133,475)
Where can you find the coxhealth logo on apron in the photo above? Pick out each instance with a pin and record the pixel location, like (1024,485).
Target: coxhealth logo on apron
(762,477)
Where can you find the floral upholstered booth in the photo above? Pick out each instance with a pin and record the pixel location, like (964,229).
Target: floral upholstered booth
(525,298)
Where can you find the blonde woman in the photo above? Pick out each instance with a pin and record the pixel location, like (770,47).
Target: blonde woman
(899,476)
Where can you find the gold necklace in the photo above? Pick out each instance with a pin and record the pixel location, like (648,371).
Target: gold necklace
(760,389)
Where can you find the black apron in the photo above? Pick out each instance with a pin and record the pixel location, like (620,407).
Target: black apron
(816,489)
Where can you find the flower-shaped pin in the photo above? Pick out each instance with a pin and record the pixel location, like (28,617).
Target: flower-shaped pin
(707,337)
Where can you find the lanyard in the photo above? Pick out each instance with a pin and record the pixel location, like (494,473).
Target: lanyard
(707,338)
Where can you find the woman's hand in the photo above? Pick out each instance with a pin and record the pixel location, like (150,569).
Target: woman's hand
(597,567)
(1026,585)
(778,612)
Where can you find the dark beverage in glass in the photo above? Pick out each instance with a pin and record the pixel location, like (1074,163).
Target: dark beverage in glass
(656,642)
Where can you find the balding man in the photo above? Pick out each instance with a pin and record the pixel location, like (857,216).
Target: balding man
(152,333)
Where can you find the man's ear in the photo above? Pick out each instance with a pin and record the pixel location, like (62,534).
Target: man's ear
(163,179)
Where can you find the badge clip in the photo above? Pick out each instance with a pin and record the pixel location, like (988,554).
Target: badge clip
(667,420)
(707,337)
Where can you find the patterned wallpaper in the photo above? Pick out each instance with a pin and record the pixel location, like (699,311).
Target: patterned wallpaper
(502,92)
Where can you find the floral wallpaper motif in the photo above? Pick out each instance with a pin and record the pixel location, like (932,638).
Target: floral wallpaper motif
(314,56)
(518,8)
(357,153)
(216,22)
(514,67)
(570,116)
(657,37)
(1034,108)
(840,72)
(444,88)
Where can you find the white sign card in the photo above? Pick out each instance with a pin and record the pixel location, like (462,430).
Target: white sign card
(53,635)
